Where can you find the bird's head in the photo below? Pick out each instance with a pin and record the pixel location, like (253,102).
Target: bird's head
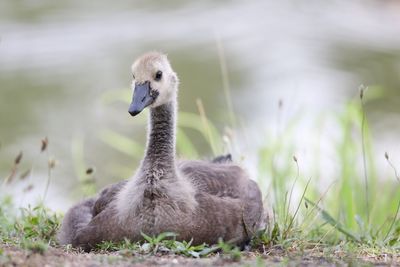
(154,82)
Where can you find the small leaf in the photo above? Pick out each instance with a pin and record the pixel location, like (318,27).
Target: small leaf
(147,238)
(165,235)
(208,250)
(194,254)
(275,232)
(34,220)
(393,241)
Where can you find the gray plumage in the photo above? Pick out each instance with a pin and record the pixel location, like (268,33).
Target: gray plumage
(78,217)
(198,200)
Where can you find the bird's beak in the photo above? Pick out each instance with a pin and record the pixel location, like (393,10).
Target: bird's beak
(141,98)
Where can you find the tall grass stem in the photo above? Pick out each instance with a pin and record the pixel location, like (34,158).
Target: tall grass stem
(204,120)
(225,79)
(364,153)
(48,176)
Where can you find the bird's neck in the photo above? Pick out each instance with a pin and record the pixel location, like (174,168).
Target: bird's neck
(160,151)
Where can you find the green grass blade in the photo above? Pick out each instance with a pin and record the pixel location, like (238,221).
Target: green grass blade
(184,145)
(329,219)
(121,143)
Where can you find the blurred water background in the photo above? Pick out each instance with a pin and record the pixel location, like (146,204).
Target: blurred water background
(65,75)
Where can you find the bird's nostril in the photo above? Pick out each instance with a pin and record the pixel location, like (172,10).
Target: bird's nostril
(143,99)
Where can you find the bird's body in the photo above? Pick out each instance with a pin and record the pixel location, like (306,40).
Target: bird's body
(198,200)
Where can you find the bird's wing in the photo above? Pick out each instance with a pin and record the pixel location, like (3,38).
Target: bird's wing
(218,179)
(106,196)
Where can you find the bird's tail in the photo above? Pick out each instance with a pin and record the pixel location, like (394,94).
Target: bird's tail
(77,217)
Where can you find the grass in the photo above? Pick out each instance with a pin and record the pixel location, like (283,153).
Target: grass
(164,243)
(356,216)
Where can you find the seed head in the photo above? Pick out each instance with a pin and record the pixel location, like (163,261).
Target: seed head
(89,171)
(28,188)
(10,177)
(18,158)
(280,103)
(25,174)
(362,89)
(45,142)
(52,163)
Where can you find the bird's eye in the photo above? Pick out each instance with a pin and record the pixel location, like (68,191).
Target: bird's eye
(158,75)
(133,76)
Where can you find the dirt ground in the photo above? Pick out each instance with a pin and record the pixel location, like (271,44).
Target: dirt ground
(12,256)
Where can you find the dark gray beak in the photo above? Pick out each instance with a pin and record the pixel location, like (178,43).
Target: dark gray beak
(141,98)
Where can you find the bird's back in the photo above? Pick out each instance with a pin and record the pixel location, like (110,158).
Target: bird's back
(218,179)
